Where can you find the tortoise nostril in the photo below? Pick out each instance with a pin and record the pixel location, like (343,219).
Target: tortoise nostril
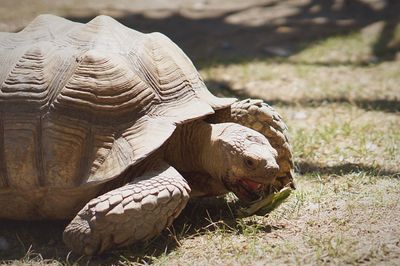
(272,169)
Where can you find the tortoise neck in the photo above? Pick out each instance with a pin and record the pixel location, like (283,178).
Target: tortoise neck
(192,148)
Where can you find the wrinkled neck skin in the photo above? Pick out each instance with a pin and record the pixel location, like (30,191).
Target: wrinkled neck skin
(193,148)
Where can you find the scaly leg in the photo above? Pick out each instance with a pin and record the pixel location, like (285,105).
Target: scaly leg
(134,212)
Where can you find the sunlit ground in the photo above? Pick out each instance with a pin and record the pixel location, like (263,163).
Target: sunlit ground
(340,97)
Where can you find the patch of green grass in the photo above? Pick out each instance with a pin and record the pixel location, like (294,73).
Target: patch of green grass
(345,134)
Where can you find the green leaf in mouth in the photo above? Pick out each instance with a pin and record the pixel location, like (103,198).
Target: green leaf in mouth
(265,205)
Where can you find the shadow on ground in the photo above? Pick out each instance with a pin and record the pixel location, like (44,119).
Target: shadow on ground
(385,105)
(280,28)
(42,240)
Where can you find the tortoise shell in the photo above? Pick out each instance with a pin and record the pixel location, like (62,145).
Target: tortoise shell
(80,103)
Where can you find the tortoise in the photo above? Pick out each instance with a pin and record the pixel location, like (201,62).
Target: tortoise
(115,130)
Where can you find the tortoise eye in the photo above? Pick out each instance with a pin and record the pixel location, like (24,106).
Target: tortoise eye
(250,163)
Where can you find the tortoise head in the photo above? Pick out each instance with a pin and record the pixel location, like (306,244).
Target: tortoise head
(243,160)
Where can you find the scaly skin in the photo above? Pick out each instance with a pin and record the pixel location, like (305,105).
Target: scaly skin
(137,211)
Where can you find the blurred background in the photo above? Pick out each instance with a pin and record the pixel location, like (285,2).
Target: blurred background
(332,70)
(223,29)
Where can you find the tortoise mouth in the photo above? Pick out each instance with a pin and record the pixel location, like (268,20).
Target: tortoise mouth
(248,190)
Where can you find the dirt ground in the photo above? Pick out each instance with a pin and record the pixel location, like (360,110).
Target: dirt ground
(331,68)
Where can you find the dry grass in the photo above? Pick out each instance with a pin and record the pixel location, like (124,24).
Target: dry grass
(342,107)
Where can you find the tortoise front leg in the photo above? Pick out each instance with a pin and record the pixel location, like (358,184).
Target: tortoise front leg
(134,212)
(258,115)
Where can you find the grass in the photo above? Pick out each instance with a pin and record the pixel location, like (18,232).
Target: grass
(343,118)
(342,108)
